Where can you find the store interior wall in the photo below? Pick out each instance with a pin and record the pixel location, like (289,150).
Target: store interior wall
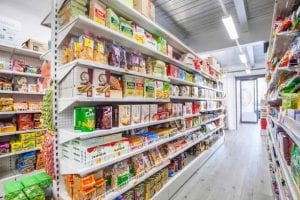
(30,16)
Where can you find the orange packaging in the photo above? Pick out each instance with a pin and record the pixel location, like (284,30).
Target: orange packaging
(97,11)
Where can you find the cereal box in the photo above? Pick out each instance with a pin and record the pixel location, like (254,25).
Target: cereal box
(135,114)
(153,112)
(101,83)
(139,87)
(128,86)
(124,115)
(149,88)
(145,113)
(115,83)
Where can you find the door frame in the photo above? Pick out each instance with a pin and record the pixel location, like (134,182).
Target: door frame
(246,78)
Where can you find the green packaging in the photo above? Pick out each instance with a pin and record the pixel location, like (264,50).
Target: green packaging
(149,87)
(162,45)
(29,181)
(77,119)
(112,20)
(126,27)
(44,179)
(12,189)
(34,192)
(88,120)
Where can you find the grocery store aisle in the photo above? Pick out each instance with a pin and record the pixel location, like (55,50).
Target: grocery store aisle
(237,171)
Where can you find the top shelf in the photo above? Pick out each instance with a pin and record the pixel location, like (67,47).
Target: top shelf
(120,7)
(19,51)
(81,23)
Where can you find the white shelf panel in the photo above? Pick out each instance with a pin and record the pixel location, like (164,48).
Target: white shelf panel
(21,93)
(213,109)
(19,51)
(195,98)
(65,69)
(20,112)
(67,134)
(17,153)
(64,103)
(68,167)
(3,71)
(286,171)
(136,181)
(20,132)
(178,81)
(202,158)
(293,133)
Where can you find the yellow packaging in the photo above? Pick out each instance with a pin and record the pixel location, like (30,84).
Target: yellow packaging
(39,140)
(129,86)
(27,136)
(15,146)
(39,133)
(139,87)
(124,115)
(29,144)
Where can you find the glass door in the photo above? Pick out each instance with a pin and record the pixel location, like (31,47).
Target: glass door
(248,101)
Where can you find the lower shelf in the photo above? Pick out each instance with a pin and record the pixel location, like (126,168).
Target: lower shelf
(174,183)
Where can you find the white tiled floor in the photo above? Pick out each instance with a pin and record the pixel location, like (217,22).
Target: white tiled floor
(237,171)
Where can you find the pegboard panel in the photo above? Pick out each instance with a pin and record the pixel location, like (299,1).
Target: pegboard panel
(66,118)
(31,61)
(5,58)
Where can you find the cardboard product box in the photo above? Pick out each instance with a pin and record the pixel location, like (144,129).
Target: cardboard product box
(145,7)
(35,45)
(124,115)
(101,83)
(153,112)
(145,113)
(135,114)
(78,83)
(97,11)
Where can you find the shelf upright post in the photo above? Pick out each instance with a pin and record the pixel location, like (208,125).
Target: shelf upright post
(54,66)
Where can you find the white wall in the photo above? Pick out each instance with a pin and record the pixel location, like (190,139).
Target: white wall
(30,14)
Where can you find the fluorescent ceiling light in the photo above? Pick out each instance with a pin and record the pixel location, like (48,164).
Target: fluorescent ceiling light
(243,58)
(228,22)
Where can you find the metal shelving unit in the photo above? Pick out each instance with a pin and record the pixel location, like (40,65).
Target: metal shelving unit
(63,107)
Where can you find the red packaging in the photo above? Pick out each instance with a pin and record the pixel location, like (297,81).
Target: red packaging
(196,107)
(162,115)
(23,125)
(24,117)
(172,71)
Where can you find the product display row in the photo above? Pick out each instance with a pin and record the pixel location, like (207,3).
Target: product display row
(8,104)
(111,179)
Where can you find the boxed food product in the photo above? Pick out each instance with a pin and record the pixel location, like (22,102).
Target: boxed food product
(124,115)
(103,117)
(133,62)
(114,55)
(159,85)
(139,87)
(28,144)
(101,81)
(4,147)
(15,146)
(126,27)
(145,113)
(159,68)
(27,136)
(138,34)
(20,84)
(170,51)
(145,7)
(150,41)
(135,114)
(162,45)
(20,106)
(34,105)
(13,190)
(77,83)
(87,119)
(172,71)
(97,11)
(129,89)
(35,45)
(34,192)
(112,20)
(115,82)
(25,125)
(153,112)
(174,90)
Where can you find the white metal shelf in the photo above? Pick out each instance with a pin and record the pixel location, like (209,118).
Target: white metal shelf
(15,174)
(20,93)
(17,153)
(293,134)
(212,109)
(137,181)
(10,72)
(68,167)
(195,98)
(191,166)
(286,171)
(20,132)
(64,103)
(67,134)
(19,51)
(178,81)
(20,112)
(65,69)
